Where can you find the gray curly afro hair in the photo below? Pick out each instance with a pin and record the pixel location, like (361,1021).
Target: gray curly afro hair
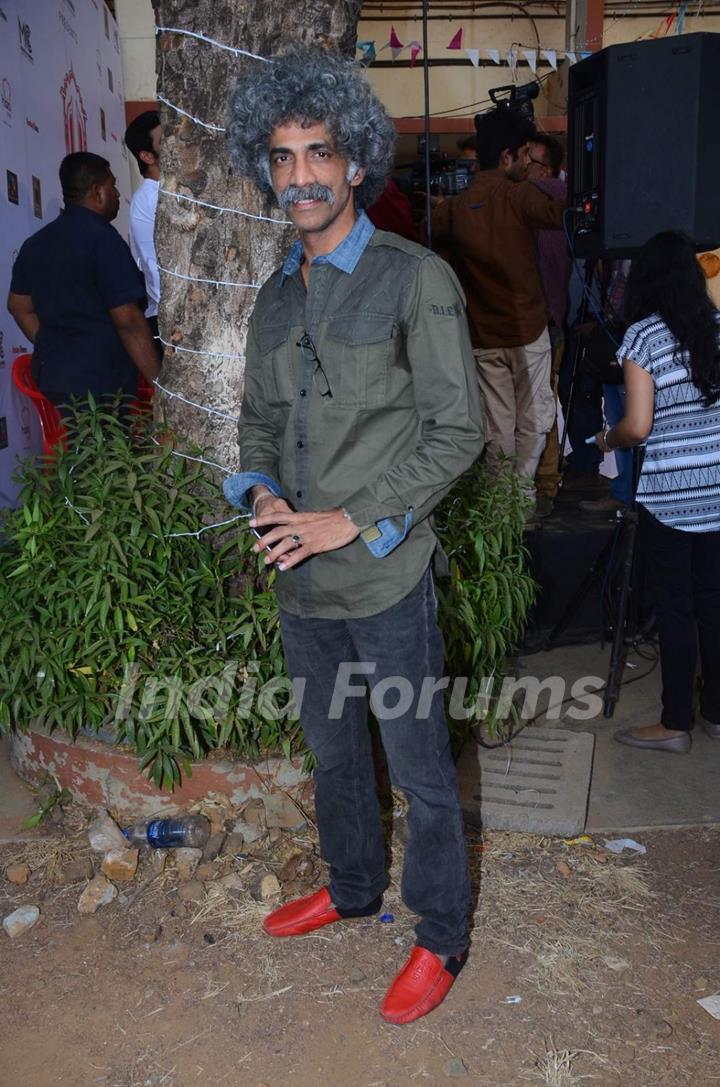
(307,86)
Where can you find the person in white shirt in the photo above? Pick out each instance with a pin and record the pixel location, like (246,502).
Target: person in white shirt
(142,138)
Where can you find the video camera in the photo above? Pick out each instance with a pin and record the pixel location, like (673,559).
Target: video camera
(448,176)
(516,99)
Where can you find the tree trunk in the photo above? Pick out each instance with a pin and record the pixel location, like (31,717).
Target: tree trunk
(207,321)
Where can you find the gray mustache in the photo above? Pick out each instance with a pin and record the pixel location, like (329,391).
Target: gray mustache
(294,193)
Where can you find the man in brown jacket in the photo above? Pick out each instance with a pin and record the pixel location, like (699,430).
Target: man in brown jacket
(489,233)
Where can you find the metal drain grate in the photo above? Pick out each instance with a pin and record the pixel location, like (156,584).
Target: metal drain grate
(539,782)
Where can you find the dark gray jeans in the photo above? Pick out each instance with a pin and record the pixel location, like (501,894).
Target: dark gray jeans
(337,658)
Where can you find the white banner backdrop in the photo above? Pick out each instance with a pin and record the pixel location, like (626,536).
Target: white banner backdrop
(61,90)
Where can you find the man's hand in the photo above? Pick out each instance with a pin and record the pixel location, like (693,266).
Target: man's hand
(297,536)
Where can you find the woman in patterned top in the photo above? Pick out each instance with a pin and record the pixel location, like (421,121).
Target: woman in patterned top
(671,362)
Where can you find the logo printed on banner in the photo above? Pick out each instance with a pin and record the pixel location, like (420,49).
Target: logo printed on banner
(3,433)
(6,97)
(67,27)
(75,117)
(25,41)
(69,4)
(3,16)
(31,124)
(2,350)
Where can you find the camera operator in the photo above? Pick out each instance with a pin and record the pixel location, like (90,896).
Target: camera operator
(671,360)
(489,231)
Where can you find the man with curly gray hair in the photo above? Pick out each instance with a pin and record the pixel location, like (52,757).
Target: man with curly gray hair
(360,411)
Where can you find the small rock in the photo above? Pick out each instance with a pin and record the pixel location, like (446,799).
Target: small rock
(651,1025)
(186,862)
(156,862)
(289,869)
(20,920)
(266,886)
(18,873)
(104,834)
(357,975)
(455,1068)
(192,891)
(701,983)
(275,834)
(233,885)
(250,832)
(213,846)
(233,843)
(281,811)
(601,858)
(614,962)
(207,872)
(563,869)
(98,892)
(120,864)
(626,1054)
(150,934)
(254,812)
(76,870)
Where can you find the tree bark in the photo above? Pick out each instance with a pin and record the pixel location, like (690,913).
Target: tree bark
(196,241)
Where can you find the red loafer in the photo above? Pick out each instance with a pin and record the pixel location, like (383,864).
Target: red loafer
(423,983)
(311,912)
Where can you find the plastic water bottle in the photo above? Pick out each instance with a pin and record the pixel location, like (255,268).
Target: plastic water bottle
(180,832)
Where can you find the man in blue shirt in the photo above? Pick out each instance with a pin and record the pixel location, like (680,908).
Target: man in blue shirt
(78,296)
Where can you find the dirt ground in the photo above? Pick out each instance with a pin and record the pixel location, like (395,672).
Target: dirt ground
(586,967)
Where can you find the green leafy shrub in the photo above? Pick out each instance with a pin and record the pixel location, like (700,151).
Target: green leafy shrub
(485,602)
(96,589)
(122,616)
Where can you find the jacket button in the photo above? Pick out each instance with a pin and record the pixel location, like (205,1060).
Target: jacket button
(300,445)
(303,392)
(298,494)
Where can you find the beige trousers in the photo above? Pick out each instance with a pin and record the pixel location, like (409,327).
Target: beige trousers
(519,402)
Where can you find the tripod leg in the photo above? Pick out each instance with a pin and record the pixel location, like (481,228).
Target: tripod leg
(579,349)
(619,649)
(594,575)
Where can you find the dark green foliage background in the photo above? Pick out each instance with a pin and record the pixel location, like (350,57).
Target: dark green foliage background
(91,582)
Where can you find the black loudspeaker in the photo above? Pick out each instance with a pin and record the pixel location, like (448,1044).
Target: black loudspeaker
(644,144)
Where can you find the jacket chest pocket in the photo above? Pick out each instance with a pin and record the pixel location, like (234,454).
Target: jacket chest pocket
(358,350)
(272,341)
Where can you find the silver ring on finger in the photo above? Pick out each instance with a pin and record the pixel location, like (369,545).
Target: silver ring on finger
(296,540)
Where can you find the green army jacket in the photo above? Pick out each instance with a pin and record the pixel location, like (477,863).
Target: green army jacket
(398,423)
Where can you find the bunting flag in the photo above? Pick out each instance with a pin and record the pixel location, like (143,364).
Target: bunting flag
(512,58)
(415,50)
(680,24)
(395,42)
(531,57)
(396,51)
(456,40)
(551,57)
(368,51)
(572,57)
(474,55)
(493,54)
(585,55)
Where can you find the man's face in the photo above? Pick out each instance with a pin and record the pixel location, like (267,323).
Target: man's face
(516,166)
(107,197)
(310,177)
(538,168)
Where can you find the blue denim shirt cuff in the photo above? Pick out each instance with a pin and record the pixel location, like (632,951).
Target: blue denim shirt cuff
(385,535)
(236,488)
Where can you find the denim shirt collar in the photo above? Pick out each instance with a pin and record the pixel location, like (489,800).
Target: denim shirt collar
(344,256)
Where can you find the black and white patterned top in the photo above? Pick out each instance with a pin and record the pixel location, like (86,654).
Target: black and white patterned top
(680,479)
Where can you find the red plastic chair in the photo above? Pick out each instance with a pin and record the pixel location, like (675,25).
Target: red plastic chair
(51,425)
